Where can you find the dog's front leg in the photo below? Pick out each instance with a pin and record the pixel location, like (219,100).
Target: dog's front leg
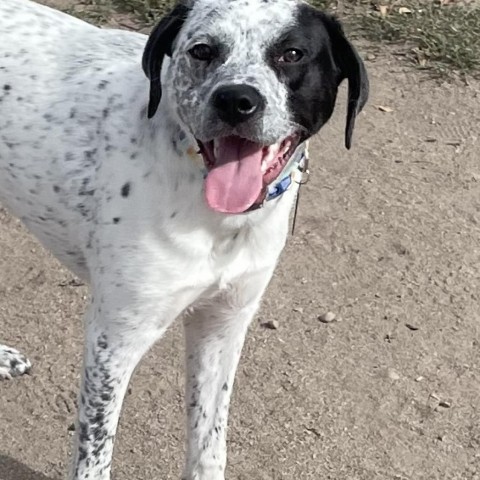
(215,333)
(115,341)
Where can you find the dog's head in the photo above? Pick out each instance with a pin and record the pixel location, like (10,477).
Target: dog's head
(251,80)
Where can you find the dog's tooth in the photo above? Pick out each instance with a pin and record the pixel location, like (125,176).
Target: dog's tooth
(272,155)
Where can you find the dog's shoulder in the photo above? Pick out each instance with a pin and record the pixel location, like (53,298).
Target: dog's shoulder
(61,77)
(41,34)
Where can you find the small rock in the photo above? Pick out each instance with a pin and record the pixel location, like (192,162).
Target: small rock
(393,375)
(271,324)
(389,337)
(298,309)
(444,404)
(71,427)
(327,317)
(419,379)
(371,56)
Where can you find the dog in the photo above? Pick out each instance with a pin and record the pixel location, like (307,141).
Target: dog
(162,172)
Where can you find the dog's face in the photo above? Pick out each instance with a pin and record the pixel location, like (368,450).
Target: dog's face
(251,80)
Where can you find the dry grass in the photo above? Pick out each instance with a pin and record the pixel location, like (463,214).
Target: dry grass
(442,36)
(444,39)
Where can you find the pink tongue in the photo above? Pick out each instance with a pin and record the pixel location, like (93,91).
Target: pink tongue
(236,181)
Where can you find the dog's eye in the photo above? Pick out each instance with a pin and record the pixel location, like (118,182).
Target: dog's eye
(292,55)
(202,52)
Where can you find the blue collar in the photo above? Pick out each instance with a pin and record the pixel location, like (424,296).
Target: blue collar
(292,173)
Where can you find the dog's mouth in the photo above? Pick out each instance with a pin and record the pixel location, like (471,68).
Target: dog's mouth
(239,170)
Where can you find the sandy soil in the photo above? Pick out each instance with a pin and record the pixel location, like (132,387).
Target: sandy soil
(388,238)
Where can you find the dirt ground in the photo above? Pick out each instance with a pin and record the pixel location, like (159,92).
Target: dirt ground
(388,238)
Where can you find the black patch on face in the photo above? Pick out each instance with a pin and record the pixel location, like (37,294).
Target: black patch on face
(313,80)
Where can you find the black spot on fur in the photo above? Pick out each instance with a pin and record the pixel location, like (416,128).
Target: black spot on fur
(82,454)
(90,154)
(102,342)
(125,191)
(116,220)
(83,432)
(84,189)
(82,208)
(102,85)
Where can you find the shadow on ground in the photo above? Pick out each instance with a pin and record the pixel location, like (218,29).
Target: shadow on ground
(11,469)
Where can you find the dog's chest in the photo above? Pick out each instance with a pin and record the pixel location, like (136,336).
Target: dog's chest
(196,255)
(215,259)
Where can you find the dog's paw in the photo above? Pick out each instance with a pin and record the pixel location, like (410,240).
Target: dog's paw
(12,363)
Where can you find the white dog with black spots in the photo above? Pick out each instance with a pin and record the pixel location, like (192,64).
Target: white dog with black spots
(167,188)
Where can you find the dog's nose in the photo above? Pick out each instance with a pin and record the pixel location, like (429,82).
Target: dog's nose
(237,103)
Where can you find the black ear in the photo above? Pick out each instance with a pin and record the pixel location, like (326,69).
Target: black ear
(350,66)
(159,44)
